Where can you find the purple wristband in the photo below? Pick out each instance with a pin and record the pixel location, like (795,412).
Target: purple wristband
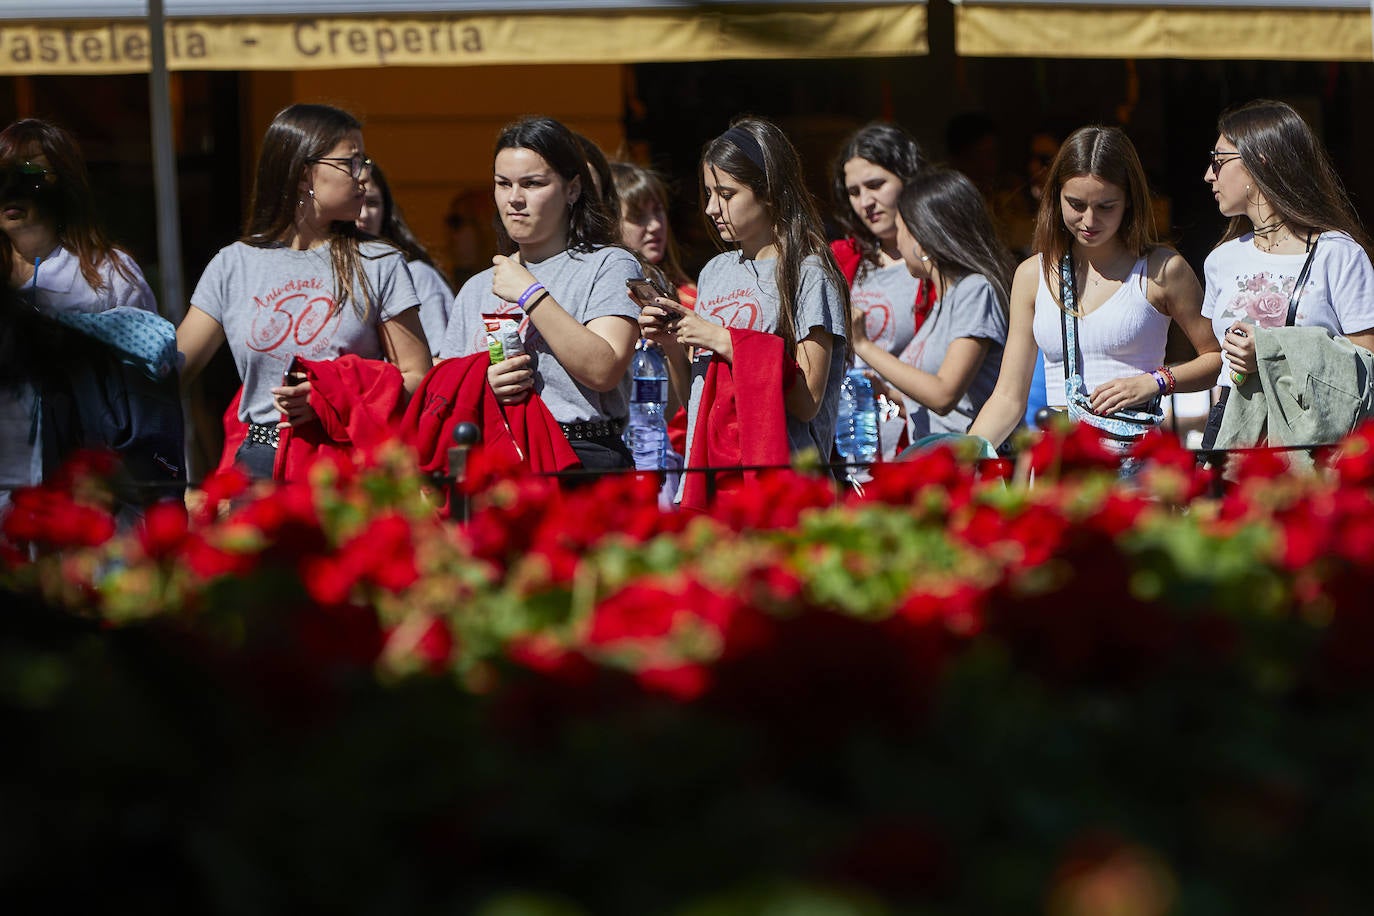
(525,296)
(1159,380)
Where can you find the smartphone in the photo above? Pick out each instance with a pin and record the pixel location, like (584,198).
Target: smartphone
(294,374)
(642,290)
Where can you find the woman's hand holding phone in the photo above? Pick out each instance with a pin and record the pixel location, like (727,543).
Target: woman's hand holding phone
(657,319)
(292,397)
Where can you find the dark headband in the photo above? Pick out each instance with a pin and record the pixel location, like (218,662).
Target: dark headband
(747,145)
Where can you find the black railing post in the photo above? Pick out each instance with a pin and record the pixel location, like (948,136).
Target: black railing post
(465,436)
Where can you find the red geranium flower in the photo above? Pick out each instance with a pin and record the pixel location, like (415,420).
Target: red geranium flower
(643,610)
(422,639)
(540,652)
(209,561)
(1079,449)
(898,482)
(49,517)
(163,529)
(221,485)
(684,683)
(1354,461)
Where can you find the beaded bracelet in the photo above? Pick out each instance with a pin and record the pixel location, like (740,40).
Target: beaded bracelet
(525,296)
(1169,383)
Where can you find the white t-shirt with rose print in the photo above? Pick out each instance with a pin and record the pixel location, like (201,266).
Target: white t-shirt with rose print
(1246,284)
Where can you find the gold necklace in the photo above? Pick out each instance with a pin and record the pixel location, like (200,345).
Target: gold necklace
(1263,233)
(1100,279)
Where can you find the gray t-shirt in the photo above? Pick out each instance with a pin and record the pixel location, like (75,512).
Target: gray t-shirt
(587,285)
(969,308)
(436,301)
(887,296)
(276,303)
(744,294)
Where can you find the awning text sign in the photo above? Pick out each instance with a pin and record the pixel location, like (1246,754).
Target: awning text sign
(336,42)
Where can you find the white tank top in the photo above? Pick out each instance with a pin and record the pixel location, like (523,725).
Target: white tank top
(1123,336)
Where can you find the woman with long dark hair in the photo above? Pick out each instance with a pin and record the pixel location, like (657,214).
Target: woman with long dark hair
(51,242)
(561,276)
(1102,283)
(776,275)
(872,168)
(951,365)
(1290,221)
(54,258)
(301,282)
(381,217)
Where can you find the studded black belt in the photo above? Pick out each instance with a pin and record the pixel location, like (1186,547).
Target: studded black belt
(263,434)
(594,429)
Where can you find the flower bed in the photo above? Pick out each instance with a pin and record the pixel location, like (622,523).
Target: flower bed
(943,696)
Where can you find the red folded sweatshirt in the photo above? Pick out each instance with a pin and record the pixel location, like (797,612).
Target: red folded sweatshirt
(358,402)
(523,435)
(741,418)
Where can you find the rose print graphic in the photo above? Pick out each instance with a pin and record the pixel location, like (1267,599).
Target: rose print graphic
(1262,297)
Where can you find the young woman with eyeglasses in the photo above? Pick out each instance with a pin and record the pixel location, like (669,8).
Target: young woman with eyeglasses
(56,257)
(301,282)
(561,275)
(1271,175)
(381,217)
(775,275)
(1128,287)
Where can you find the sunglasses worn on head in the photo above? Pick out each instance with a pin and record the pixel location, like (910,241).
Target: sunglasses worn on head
(1215,160)
(355,167)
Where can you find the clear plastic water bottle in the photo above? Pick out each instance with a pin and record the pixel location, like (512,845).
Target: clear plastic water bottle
(647,432)
(856,424)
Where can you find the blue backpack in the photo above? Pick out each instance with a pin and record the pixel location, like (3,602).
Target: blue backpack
(115,386)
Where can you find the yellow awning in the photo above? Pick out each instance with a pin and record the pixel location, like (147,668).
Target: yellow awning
(1215,30)
(653,34)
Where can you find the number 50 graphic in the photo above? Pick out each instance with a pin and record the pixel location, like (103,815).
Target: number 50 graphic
(271,328)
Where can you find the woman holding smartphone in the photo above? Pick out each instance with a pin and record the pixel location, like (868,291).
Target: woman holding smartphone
(562,277)
(951,365)
(301,283)
(775,276)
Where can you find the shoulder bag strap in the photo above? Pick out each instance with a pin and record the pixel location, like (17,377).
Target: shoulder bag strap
(1069,300)
(1301,282)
